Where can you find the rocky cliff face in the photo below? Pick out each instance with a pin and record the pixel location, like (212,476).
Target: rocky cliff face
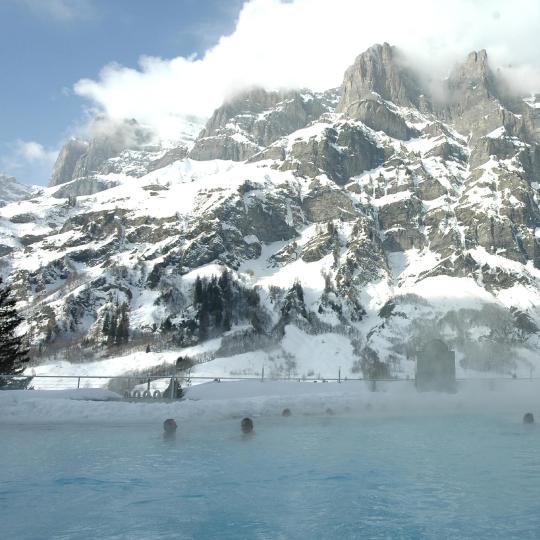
(253,120)
(376,214)
(121,148)
(379,72)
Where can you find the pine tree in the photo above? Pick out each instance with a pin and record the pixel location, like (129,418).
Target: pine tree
(204,323)
(227,325)
(166,325)
(107,325)
(125,323)
(297,287)
(121,336)
(198,292)
(112,330)
(13,355)
(225,284)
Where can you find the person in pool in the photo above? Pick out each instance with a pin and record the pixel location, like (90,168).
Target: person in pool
(169,427)
(528,418)
(286,412)
(246,425)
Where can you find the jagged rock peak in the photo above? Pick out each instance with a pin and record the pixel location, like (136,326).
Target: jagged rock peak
(256,118)
(478,58)
(475,73)
(251,101)
(108,138)
(379,70)
(66,161)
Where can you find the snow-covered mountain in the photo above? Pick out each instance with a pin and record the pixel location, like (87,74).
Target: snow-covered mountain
(342,228)
(11,190)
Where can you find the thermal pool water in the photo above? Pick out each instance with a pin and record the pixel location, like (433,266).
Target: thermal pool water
(302,477)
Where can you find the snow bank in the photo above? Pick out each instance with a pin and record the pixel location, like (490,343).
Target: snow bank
(213,401)
(82,394)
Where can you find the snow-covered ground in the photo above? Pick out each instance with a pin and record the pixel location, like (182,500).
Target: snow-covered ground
(320,356)
(215,400)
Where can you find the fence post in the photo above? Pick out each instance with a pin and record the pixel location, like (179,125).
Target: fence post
(172,387)
(339,375)
(262,374)
(79,382)
(148,384)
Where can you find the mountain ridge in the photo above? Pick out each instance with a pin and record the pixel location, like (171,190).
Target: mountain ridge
(375,213)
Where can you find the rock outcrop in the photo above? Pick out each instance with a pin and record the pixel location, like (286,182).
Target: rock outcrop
(379,212)
(66,162)
(379,72)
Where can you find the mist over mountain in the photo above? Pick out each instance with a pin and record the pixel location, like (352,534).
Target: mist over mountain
(362,220)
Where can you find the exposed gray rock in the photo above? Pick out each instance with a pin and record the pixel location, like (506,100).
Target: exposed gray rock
(252,120)
(105,146)
(23,218)
(274,153)
(430,188)
(322,244)
(501,148)
(446,151)
(474,97)
(379,70)
(66,162)
(82,187)
(402,239)
(379,117)
(172,155)
(223,147)
(289,253)
(364,260)
(225,246)
(266,116)
(5,250)
(79,159)
(326,204)
(403,213)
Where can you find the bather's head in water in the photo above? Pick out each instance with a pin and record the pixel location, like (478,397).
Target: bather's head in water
(169,426)
(528,418)
(246,425)
(286,412)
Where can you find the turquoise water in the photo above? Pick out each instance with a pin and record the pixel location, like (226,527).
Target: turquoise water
(299,478)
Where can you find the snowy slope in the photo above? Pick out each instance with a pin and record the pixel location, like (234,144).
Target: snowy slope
(11,190)
(353,226)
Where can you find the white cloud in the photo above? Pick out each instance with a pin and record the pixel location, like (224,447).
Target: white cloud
(33,151)
(309,43)
(29,161)
(61,10)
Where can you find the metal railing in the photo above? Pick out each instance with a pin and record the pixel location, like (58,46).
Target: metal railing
(185,379)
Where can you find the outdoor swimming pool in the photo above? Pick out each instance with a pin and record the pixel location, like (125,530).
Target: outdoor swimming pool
(303,477)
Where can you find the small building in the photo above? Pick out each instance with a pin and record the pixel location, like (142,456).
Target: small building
(436,367)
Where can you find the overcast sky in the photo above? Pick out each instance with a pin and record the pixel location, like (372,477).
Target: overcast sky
(64,60)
